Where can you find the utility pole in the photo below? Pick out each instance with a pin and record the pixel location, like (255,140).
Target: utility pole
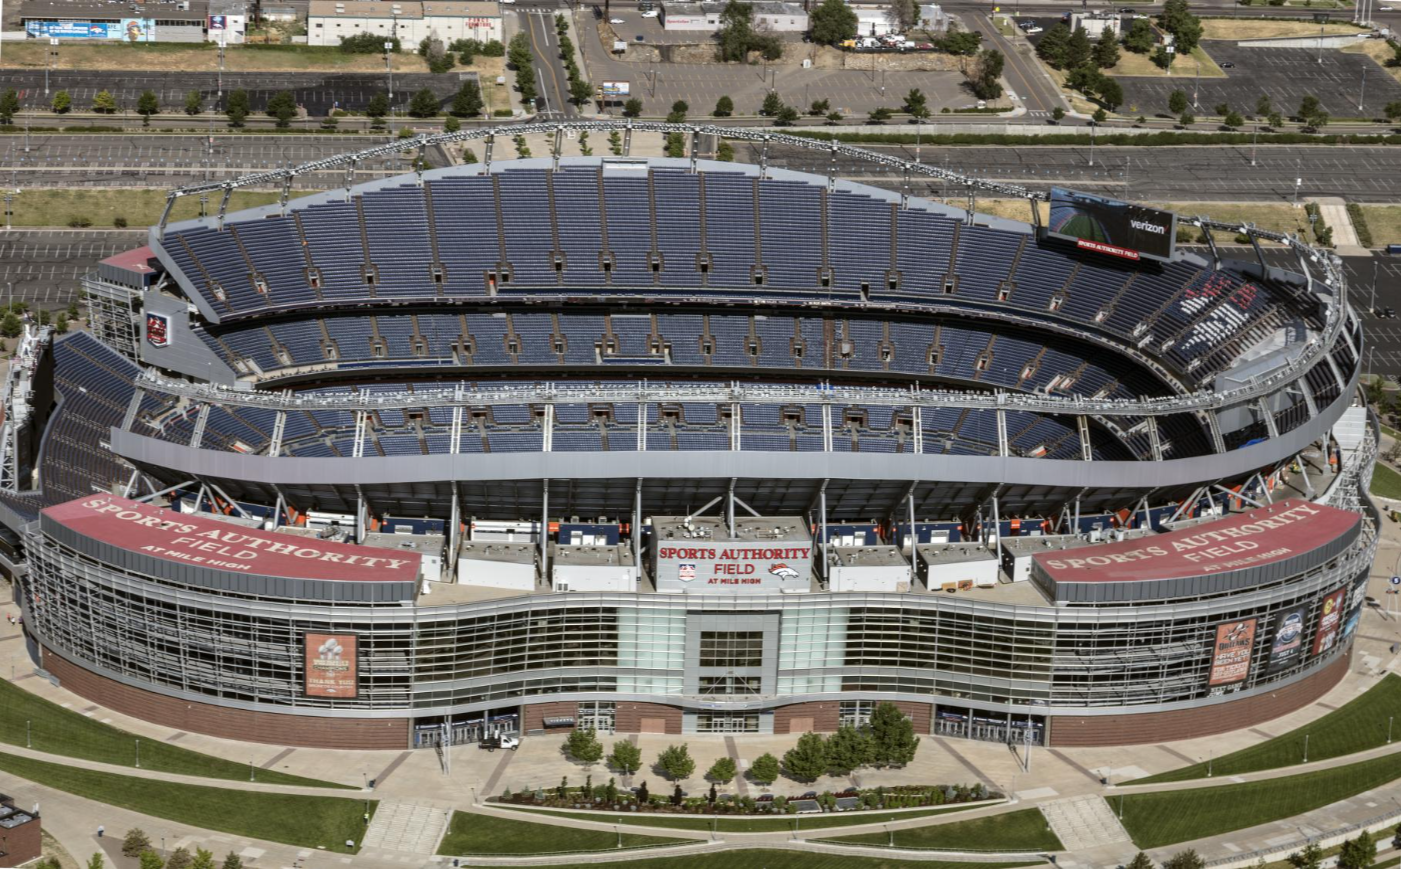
(388,67)
(1254,140)
(1321,29)
(1362,92)
(51,61)
(220,96)
(1092,142)
(1197,85)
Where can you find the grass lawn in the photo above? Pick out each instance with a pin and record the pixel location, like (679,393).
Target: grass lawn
(1385,223)
(1132,63)
(766,859)
(1155,820)
(140,207)
(1386,483)
(1279,217)
(1264,28)
(1356,726)
(310,822)
(473,834)
(748,825)
(56,730)
(1023,830)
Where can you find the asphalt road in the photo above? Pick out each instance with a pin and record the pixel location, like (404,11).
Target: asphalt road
(43,267)
(318,93)
(137,160)
(1220,172)
(551,80)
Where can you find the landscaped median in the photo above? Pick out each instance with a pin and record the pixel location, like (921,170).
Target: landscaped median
(1362,724)
(752,824)
(31,721)
(1022,830)
(475,835)
(1169,817)
(291,819)
(773,859)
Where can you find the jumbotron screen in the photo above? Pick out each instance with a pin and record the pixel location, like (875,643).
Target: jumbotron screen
(1112,227)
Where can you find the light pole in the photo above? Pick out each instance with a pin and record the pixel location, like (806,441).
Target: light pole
(1389,720)
(1254,140)
(1298,182)
(51,60)
(1092,142)
(220,94)
(1197,84)
(1306,748)
(1321,28)
(389,68)
(1361,93)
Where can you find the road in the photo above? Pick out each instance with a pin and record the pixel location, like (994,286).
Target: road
(550,76)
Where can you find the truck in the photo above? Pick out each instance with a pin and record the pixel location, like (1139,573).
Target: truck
(499,740)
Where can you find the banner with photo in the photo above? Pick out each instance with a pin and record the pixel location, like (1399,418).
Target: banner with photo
(1288,643)
(1330,619)
(1230,662)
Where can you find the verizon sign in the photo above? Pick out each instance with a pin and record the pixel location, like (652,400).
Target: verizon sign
(733,567)
(203,542)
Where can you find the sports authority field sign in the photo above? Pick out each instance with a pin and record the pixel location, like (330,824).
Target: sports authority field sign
(734,567)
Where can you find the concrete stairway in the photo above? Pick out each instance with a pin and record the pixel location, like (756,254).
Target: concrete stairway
(1084,822)
(399,826)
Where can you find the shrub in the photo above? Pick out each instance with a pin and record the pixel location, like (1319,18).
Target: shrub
(368,43)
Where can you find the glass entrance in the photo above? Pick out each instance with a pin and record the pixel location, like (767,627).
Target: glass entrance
(727,722)
(599,716)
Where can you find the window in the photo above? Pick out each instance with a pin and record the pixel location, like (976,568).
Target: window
(727,722)
(855,712)
(732,648)
(729,684)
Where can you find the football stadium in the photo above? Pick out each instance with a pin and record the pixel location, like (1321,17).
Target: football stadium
(674,445)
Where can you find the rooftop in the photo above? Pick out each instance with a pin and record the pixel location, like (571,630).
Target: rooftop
(716,528)
(593,555)
(867,556)
(78,10)
(514,553)
(404,9)
(952,553)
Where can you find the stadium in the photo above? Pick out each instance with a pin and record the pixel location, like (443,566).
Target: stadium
(684,446)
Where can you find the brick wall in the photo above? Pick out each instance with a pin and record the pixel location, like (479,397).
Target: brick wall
(1070,730)
(536,713)
(242,724)
(630,716)
(795,717)
(22,843)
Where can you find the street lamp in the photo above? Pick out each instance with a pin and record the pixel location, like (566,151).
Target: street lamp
(1361,94)
(51,60)
(388,67)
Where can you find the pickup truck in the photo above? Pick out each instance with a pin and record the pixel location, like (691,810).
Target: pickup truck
(491,743)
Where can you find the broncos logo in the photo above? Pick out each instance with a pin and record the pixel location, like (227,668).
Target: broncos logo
(783,571)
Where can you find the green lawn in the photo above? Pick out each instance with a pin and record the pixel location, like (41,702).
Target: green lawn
(1357,726)
(750,824)
(56,730)
(766,859)
(305,821)
(1159,819)
(1024,830)
(1386,483)
(471,834)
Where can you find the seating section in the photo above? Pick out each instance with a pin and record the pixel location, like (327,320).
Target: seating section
(725,234)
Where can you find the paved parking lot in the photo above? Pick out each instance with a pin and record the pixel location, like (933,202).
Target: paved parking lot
(319,93)
(1287,75)
(84,160)
(1383,336)
(43,267)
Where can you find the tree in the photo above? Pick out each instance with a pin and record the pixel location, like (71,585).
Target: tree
(1139,39)
(834,118)
(1107,49)
(62,102)
(1311,857)
(378,106)
(1162,57)
(237,107)
(916,103)
(580,91)
(368,43)
(961,42)
(725,152)
(984,74)
(1077,49)
(151,860)
(880,114)
(61,323)
(892,736)
(1186,28)
(1392,110)
(467,103)
(737,36)
(9,104)
(232,861)
(1140,861)
(1276,120)
(632,108)
(724,107)
(282,106)
(764,771)
(194,103)
(677,115)
(1233,119)
(435,54)
(135,841)
(902,14)
(626,757)
(583,745)
(1100,116)
(787,116)
(1188,859)
(1111,93)
(1263,106)
(1187,119)
(1177,102)
(832,22)
(772,104)
(1396,838)
(179,859)
(1057,114)
(424,104)
(146,105)
(1054,44)
(203,859)
(675,145)
(806,761)
(1358,853)
(722,771)
(848,749)
(676,762)
(819,108)
(95,861)
(104,103)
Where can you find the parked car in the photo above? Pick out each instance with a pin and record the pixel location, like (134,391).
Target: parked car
(616,21)
(925,46)
(652,13)
(640,38)
(1389,313)
(491,743)
(1034,28)
(1228,65)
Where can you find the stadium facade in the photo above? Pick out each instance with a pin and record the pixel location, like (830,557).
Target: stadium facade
(669,445)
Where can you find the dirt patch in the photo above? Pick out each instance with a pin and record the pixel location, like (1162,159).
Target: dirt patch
(1380,51)
(198,58)
(1134,64)
(1257,28)
(923,61)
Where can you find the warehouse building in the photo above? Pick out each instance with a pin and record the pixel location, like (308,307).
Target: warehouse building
(705,17)
(328,21)
(182,21)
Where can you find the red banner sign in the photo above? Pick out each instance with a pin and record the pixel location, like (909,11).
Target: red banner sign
(330,665)
(1230,662)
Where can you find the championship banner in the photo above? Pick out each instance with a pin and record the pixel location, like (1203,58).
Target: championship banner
(330,665)
(1330,618)
(1230,662)
(158,330)
(1289,640)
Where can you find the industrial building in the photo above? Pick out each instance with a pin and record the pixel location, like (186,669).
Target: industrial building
(411,21)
